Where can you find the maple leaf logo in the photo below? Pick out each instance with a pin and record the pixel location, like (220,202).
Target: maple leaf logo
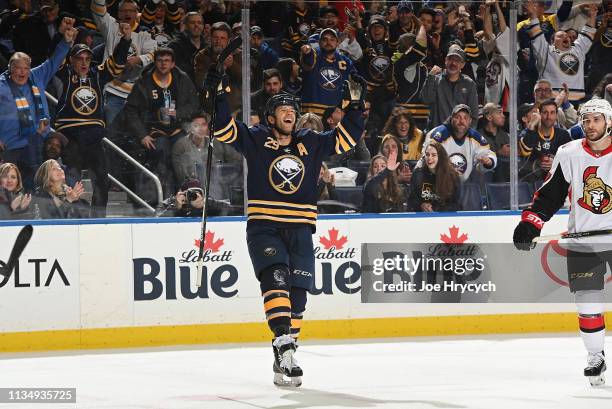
(454,236)
(333,240)
(210,243)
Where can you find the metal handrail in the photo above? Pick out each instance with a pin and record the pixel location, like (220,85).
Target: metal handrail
(126,156)
(130,193)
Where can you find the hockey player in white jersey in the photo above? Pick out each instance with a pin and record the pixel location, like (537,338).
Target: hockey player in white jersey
(582,168)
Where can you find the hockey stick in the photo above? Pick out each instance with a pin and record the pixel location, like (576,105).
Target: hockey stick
(21,242)
(226,52)
(590,233)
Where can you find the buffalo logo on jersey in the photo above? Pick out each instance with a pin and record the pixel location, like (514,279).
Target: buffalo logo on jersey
(330,76)
(286,174)
(569,64)
(459,162)
(379,66)
(304,29)
(597,195)
(162,39)
(84,100)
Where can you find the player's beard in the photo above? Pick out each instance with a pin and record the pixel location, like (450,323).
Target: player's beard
(600,136)
(281,131)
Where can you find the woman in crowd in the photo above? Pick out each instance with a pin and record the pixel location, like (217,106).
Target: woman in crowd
(435,186)
(309,121)
(401,126)
(383,193)
(389,143)
(13,198)
(290,73)
(54,198)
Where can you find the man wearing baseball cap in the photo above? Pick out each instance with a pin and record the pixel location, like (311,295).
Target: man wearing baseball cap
(324,72)
(268,58)
(499,140)
(467,149)
(80,112)
(406,22)
(445,89)
(328,17)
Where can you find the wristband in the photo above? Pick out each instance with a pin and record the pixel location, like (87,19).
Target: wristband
(532,218)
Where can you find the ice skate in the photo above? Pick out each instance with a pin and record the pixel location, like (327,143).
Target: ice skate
(596,366)
(287,373)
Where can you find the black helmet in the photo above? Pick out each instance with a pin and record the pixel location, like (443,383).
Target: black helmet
(280,99)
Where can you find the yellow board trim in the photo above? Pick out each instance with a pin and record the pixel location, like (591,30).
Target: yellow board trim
(124,337)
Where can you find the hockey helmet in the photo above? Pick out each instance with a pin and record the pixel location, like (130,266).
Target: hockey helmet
(280,99)
(597,106)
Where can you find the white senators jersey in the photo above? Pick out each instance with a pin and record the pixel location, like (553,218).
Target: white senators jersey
(587,178)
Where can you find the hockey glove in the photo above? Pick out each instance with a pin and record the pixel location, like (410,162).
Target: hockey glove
(215,80)
(353,94)
(528,229)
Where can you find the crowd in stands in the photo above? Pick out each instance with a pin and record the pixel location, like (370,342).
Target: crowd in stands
(437,74)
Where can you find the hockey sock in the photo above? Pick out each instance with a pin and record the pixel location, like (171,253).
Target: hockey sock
(277,305)
(591,320)
(298,306)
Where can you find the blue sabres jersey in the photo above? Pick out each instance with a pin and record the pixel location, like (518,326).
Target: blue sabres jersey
(323,79)
(282,180)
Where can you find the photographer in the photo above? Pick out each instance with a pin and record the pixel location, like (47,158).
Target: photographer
(188,202)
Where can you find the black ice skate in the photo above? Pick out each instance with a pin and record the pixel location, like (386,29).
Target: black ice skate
(287,373)
(596,366)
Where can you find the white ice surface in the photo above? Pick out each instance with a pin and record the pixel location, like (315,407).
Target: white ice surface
(433,373)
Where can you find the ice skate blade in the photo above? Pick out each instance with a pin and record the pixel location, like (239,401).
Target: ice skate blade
(597,381)
(283,381)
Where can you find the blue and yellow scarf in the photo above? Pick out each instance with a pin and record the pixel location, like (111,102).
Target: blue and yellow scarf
(27,124)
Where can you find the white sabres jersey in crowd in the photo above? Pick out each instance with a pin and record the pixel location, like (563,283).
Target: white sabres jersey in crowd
(463,154)
(587,178)
(563,66)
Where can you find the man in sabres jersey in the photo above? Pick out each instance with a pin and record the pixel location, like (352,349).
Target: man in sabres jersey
(284,167)
(80,112)
(582,170)
(467,149)
(324,72)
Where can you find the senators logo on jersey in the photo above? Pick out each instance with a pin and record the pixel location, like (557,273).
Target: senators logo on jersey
(286,174)
(597,195)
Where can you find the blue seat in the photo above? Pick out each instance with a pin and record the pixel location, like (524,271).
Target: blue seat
(498,195)
(471,197)
(350,194)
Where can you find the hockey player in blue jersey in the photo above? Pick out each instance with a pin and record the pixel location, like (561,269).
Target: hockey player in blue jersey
(284,167)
